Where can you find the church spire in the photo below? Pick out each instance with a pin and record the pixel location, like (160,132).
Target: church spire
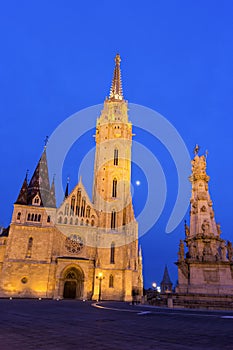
(116,92)
(22,197)
(39,183)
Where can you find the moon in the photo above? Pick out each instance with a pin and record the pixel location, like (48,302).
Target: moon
(138,183)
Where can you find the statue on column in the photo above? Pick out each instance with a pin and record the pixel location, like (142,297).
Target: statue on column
(181,251)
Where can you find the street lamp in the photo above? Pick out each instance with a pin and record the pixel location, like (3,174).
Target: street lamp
(154,285)
(100,278)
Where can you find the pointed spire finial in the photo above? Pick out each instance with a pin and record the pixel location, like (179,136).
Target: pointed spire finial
(46,141)
(116,92)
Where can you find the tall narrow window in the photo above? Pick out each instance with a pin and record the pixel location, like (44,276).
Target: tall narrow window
(18,216)
(35,218)
(88,211)
(67,209)
(112,253)
(113,220)
(29,248)
(29,217)
(111,280)
(114,188)
(78,202)
(72,205)
(115,161)
(83,206)
(39,217)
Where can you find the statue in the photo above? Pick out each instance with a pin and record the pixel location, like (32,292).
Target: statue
(196,149)
(229,250)
(205,227)
(193,251)
(187,231)
(181,251)
(223,251)
(219,229)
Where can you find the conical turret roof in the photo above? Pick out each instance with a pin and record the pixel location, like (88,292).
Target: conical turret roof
(22,197)
(39,183)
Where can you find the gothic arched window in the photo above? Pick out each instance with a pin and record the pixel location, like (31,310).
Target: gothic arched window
(29,248)
(48,218)
(83,206)
(72,205)
(88,211)
(66,209)
(115,161)
(29,217)
(112,253)
(111,281)
(78,201)
(18,216)
(114,188)
(113,220)
(39,217)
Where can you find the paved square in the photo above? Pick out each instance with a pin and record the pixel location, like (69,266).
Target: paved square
(67,324)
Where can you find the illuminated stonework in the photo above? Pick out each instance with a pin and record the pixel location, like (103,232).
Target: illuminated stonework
(54,252)
(206,266)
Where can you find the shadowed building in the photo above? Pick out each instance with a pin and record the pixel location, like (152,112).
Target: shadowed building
(85,249)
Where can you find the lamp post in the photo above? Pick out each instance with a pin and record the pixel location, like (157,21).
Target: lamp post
(100,278)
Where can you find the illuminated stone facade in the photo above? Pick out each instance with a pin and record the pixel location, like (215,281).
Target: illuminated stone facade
(84,249)
(207,266)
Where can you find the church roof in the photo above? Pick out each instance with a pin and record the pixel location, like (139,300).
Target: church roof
(38,185)
(22,197)
(51,201)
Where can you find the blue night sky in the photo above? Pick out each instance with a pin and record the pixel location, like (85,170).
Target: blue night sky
(57,57)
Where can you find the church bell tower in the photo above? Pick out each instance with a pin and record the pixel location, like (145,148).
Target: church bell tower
(112,172)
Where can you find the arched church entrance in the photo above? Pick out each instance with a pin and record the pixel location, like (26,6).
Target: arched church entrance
(73,284)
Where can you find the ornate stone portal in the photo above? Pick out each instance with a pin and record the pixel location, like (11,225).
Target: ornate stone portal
(206,266)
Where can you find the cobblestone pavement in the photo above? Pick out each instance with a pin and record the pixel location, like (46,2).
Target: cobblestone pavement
(67,324)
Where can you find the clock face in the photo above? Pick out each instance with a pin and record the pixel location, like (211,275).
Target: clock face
(74,244)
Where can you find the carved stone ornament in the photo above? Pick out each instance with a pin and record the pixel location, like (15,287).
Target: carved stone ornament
(73,244)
